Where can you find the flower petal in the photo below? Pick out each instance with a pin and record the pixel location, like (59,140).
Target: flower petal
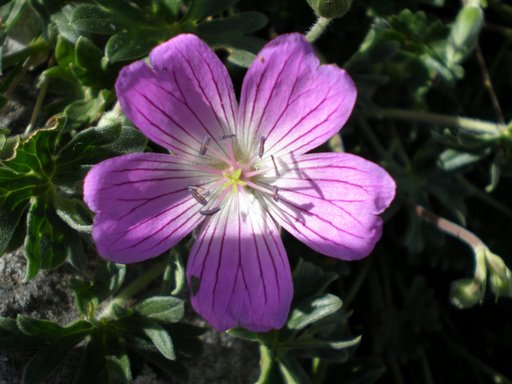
(142,203)
(331,202)
(290,100)
(186,96)
(238,270)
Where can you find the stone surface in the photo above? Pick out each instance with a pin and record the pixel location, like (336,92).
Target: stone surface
(16,113)
(226,360)
(47,296)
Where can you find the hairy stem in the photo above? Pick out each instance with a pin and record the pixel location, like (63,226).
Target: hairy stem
(30,50)
(450,228)
(317,29)
(135,287)
(495,376)
(464,123)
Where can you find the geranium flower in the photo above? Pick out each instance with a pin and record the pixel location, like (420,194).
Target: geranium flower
(237,172)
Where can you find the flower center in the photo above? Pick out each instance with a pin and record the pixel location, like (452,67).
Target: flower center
(234,170)
(233,179)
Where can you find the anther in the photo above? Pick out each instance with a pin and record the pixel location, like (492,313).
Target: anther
(204,146)
(276,193)
(197,194)
(275,165)
(262,147)
(227,136)
(209,212)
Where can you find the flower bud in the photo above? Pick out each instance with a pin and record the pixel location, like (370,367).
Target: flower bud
(466,293)
(330,9)
(500,276)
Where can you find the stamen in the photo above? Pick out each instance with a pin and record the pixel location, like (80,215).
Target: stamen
(262,147)
(276,193)
(229,147)
(204,146)
(256,172)
(275,165)
(227,136)
(209,212)
(197,194)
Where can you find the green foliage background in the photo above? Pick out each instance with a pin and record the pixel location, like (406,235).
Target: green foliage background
(430,305)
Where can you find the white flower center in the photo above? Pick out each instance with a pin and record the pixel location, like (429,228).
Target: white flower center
(235,171)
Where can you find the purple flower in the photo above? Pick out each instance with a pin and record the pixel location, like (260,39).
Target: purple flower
(237,172)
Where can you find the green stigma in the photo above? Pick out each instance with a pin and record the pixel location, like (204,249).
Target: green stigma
(233,180)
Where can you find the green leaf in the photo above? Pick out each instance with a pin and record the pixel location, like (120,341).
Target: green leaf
(7,325)
(9,219)
(73,212)
(309,279)
(85,111)
(292,371)
(310,342)
(87,66)
(162,308)
(113,136)
(34,327)
(201,9)
(64,52)
(126,46)
(172,369)
(464,34)
(452,160)
(312,310)
(46,359)
(23,176)
(46,244)
(244,334)
(63,21)
(118,369)
(16,341)
(130,12)
(230,33)
(173,6)
(9,147)
(160,338)
(108,279)
(90,18)
(92,361)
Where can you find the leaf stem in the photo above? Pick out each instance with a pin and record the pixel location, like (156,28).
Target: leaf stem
(37,107)
(317,29)
(464,123)
(134,287)
(484,197)
(357,284)
(450,228)
(39,45)
(495,376)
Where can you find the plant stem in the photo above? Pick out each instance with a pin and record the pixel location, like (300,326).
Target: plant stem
(464,123)
(488,85)
(357,284)
(37,107)
(485,198)
(35,47)
(266,361)
(495,376)
(135,287)
(317,29)
(425,366)
(374,141)
(450,228)
(477,246)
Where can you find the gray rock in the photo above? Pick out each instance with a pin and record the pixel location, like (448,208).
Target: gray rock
(226,360)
